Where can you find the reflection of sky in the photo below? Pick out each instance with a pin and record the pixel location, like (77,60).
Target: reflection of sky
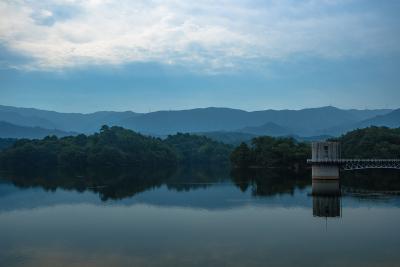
(215,226)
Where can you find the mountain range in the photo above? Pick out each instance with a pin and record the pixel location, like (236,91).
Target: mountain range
(308,122)
(9,130)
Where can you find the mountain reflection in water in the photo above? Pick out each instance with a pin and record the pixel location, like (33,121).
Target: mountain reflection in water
(198,216)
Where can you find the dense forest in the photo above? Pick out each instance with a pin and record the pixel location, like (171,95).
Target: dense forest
(371,142)
(113,147)
(116,147)
(6,142)
(196,149)
(270,152)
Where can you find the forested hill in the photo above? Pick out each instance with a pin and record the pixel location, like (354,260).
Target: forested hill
(195,149)
(371,142)
(271,152)
(266,152)
(6,142)
(113,147)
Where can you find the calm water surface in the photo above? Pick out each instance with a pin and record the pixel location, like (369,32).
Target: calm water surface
(198,218)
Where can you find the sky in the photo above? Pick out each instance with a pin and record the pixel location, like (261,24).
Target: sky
(85,56)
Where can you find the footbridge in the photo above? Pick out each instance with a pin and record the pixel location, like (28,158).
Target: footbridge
(358,164)
(326,163)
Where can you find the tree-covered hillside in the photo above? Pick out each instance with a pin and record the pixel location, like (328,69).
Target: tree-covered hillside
(270,152)
(113,147)
(196,149)
(371,142)
(6,142)
(266,152)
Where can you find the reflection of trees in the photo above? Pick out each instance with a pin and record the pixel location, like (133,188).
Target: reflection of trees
(119,184)
(372,179)
(193,177)
(266,182)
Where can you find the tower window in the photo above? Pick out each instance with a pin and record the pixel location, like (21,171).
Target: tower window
(326,149)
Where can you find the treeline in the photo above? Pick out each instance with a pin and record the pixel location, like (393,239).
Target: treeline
(196,149)
(6,143)
(116,147)
(371,142)
(112,147)
(270,152)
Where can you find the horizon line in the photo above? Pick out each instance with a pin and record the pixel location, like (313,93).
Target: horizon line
(207,107)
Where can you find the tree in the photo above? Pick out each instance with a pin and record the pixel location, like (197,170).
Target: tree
(270,152)
(241,156)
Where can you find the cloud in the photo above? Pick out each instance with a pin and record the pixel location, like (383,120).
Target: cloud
(207,35)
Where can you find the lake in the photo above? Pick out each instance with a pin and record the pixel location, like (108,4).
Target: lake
(198,217)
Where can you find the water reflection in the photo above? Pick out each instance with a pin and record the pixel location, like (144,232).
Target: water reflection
(326,206)
(195,217)
(326,187)
(269,182)
(117,185)
(366,184)
(326,198)
(120,184)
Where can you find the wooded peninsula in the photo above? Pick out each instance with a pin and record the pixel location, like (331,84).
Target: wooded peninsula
(116,147)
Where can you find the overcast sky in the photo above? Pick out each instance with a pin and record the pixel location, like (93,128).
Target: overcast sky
(73,55)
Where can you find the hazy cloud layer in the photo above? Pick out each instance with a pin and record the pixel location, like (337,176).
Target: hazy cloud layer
(204,35)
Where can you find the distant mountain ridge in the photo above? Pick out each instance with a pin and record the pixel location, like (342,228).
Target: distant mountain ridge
(390,119)
(269,128)
(305,122)
(8,130)
(78,122)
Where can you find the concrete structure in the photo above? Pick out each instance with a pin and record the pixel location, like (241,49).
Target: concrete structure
(325,172)
(325,151)
(325,157)
(326,162)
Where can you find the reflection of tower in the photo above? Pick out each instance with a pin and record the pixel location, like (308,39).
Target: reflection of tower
(325,179)
(326,198)
(326,206)
(328,187)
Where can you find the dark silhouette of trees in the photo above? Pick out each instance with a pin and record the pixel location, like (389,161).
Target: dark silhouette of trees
(113,147)
(241,156)
(371,142)
(270,152)
(6,142)
(196,149)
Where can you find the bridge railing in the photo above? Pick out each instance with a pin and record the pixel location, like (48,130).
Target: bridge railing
(356,164)
(344,161)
